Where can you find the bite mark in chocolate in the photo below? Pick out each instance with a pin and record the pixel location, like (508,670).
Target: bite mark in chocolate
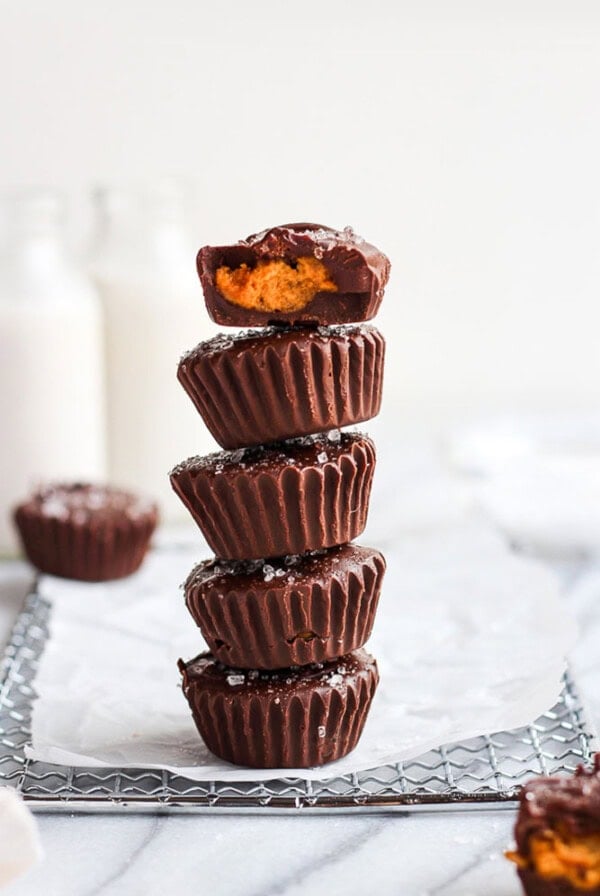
(558,834)
(305,274)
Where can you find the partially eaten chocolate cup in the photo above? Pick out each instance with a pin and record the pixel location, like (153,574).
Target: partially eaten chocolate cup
(558,835)
(288,612)
(289,718)
(293,274)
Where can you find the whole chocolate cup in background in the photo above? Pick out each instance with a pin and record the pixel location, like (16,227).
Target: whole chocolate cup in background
(292,718)
(359,271)
(279,383)
(290,612)
(92,533)
(535,885)
(287,498)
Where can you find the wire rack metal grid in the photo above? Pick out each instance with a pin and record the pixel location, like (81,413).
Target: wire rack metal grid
(483,772)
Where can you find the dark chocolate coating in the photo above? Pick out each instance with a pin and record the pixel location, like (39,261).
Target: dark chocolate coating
(291,718)
(287,498)
(279,383)
(535,885)
(290,612)
(359,270)
(88,532)
(571,804)
(568,806)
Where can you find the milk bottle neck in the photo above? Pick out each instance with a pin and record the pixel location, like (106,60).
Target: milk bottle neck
(144,231)
(34,247)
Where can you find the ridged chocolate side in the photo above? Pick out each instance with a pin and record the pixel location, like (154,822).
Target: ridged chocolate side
(534,885)
(296,719)
(284,383)
(288,501)
(288,613)
(89,552)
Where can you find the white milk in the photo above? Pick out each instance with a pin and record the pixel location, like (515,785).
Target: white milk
(51,377)
(154,311)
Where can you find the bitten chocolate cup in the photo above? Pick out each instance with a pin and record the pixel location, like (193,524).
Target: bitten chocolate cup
(288,498)
(93,533)
(291,718)
(276,384)
(293,274)
(558,834)
(289,612)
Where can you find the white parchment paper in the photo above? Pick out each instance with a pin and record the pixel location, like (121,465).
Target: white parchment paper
(537,478)
(551,503)
(470,639)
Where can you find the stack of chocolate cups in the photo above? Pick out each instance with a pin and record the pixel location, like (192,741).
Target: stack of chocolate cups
(289,600)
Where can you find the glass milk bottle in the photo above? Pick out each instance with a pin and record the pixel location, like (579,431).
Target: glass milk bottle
(51,361)
(144,265)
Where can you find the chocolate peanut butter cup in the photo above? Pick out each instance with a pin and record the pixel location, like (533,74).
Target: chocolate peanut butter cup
(558,834)
(88,532)
(289,718)
(288,612)
(293,274)
(287,498)
(279,383)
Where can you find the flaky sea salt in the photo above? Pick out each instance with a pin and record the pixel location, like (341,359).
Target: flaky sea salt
(96,499)
(321,730)
(322,457)
(234,680)
(268,572)
(54,507)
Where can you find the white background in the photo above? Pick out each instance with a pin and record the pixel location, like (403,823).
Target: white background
(463,139)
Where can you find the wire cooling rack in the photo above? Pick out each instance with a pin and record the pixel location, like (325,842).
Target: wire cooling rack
(483,772)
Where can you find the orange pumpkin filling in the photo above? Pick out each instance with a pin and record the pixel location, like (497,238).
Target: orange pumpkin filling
(552,855)
(274,285)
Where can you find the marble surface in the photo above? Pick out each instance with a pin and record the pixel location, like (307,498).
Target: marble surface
(451,853)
